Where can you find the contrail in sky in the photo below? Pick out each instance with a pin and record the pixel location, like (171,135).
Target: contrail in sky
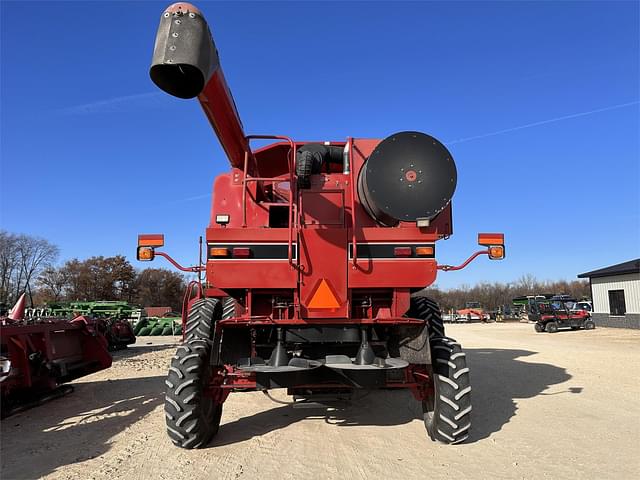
(543,122)
(117,104)
(190,199)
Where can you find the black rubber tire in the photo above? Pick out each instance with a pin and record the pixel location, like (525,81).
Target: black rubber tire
(201,317)
(193,419)
(228,308)
(447,414)
(538,328)
(589,324)
(551,327)
(428,310)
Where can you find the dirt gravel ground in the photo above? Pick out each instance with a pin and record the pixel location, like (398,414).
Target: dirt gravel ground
(562,405)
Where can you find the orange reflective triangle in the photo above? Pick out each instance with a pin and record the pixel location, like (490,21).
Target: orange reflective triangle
(323,297)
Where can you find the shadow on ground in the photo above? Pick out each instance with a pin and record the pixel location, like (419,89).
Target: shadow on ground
(498,377)
(76,427)
(135,350)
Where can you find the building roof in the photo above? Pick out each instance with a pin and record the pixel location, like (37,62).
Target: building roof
(157,311)
(632,266)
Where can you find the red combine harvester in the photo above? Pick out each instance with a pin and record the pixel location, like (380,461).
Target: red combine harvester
(313,251)
(36,358)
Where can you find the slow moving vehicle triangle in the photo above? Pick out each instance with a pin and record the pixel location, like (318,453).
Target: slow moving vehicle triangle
(323,297)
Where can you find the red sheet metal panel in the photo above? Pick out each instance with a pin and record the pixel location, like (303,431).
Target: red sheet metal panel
(379,273)
(254,235)
(227,274)
(323,208)
(323,257)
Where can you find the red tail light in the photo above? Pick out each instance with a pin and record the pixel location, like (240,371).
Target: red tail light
(242,252)
(402,251)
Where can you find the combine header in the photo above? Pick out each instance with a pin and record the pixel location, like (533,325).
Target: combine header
(38,356)
(313,251)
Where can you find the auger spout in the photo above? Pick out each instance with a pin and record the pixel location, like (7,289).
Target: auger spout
(185,64)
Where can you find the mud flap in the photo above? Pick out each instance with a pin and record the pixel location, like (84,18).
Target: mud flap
(415,349)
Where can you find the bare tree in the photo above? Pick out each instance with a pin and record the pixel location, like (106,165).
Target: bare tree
(8,264)
(52,283)
(527,282)
(35,254)
(22,258)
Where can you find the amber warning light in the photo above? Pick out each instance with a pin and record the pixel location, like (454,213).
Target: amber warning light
(495,244)
(146,245)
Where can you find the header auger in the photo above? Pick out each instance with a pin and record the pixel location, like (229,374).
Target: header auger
(313,251)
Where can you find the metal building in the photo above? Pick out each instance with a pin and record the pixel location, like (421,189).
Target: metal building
(615,291)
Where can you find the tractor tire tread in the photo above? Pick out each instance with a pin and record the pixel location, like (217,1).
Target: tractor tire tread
(451,419)
(190,424)
(427,309)
(228,308)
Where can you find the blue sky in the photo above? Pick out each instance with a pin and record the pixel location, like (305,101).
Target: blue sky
(92,153)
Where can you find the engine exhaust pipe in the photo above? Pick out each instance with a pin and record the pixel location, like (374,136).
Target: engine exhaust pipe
(185,64)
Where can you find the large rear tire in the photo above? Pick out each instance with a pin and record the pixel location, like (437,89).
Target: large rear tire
(228,308)
(428,310)
(447,414)
(193,418)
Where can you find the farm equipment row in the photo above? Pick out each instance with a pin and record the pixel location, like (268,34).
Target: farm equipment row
(313,251)
(100,309)
(111,318)
(120,321)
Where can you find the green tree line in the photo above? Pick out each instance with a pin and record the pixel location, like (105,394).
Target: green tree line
(494,295)
(28,264)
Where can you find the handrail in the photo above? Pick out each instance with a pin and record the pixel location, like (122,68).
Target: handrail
(354,258)
(292,166)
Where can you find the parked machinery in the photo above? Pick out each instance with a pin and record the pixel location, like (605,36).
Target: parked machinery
(559,314)
(313,251)
(37,357)
(158,326)
(111,318)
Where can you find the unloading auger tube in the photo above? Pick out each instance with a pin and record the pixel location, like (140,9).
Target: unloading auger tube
(313,257)
(185,64)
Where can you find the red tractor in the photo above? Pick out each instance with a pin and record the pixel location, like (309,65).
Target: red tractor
(313,251)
